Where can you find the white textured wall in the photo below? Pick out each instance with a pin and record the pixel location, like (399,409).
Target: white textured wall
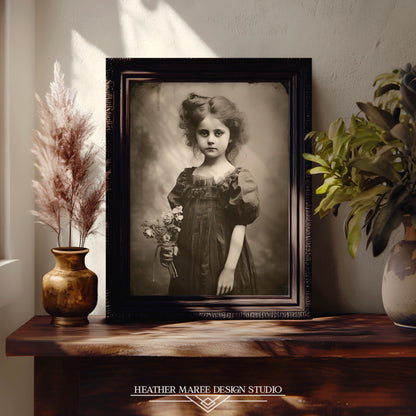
(350,42)
(17,295)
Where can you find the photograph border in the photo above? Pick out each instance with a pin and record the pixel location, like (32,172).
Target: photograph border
(121,305)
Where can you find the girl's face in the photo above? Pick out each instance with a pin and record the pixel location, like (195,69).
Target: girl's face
(212,137)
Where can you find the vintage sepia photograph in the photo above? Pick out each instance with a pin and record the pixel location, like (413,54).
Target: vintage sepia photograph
(209,187)
(207,184)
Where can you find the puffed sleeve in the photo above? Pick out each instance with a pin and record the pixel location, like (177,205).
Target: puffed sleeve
(175,196)
(244,198)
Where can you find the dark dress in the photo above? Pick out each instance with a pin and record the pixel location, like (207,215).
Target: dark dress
(211,210)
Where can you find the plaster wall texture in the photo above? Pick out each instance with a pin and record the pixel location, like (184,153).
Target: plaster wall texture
(350,42)
(17,117)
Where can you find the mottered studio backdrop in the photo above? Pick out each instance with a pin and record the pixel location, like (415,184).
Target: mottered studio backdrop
(349,41)
(159,154)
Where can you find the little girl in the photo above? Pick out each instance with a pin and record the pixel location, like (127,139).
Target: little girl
(218,200)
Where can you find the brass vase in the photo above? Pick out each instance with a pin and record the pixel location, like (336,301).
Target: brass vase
(69,290)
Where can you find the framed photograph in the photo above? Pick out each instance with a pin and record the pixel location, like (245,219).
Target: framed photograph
(209,203)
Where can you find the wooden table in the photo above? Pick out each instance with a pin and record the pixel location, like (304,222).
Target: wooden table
(339,365)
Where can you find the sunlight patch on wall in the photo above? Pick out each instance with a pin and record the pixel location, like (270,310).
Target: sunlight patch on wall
(144,35)
(88,80)
(10,281)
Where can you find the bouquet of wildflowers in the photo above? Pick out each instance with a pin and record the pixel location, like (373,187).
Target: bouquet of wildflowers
(165,230)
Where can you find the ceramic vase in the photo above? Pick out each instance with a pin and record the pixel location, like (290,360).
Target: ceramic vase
(399,279)
(69,290)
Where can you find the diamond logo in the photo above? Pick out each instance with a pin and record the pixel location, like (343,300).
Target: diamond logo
(209,403)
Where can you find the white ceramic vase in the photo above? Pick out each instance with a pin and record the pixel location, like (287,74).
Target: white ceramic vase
(399,279)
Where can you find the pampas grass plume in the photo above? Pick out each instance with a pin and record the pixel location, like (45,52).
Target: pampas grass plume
(67,194)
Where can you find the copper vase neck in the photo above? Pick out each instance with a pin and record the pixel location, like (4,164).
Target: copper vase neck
(70,258)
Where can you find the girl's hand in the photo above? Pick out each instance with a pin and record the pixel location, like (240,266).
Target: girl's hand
(166,254)
(225,281)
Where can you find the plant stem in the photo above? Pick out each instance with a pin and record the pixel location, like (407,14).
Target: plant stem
(59,228)
(70,232)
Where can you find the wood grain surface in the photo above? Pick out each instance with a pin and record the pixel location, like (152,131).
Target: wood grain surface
(353,336)
(96,386)
(350,365)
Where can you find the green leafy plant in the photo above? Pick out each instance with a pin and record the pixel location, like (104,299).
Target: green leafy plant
(371,164)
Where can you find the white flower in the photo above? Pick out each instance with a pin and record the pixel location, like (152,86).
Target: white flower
(166,237)
(179,217)
(149,233)
(167,217)
(177,210)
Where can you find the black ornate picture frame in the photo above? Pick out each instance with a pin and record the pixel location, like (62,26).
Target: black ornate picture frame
(146,151)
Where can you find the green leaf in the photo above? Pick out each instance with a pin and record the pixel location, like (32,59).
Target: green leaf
(315,135)
(338,135)
(372,213)
(317,159)
(408,95)
(367,197)
(388,218)
(383,89)
(382,168)
(388,78)
(366,136)
(377,116)
(318,169)
(360,204)
(405,133)
(334,197)
(328,183)
(336,127)
(326,203)
(385,223)
(366,144)
(353,240)
(353,230)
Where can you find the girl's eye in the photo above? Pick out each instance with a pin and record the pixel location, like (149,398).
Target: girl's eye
(203,133)
(218,133)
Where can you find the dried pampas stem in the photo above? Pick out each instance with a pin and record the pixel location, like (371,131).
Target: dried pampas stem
(66,193)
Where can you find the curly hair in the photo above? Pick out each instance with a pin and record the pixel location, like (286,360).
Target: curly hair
(196,107)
